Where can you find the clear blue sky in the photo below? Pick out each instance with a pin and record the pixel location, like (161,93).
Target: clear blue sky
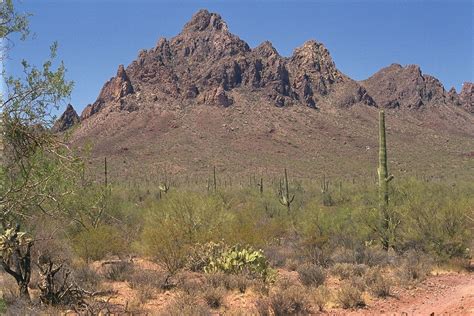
(95,36)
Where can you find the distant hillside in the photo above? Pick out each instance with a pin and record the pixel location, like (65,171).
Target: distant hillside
(205,98)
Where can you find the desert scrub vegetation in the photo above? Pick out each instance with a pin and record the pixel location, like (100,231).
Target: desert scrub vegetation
(57,221)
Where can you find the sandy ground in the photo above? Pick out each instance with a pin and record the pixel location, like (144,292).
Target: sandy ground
(446,294)
(449,293)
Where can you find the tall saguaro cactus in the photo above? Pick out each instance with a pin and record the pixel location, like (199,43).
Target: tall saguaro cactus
(382,170)
(284,193)
(388,225)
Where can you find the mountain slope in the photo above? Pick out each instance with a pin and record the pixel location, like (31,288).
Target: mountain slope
(206,98)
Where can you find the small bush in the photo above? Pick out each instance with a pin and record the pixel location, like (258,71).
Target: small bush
(311,274)
(186,305)
(343,255)
(289,301)
(377,283)
(321,297)
(262,306)
(214,296)
(148,278)
(237,282)
(3,306)
(97,243)
(350,296)
(413,267)
(145,293)
(292,264)
(347,270)
(118,271)
(86,277)
(189,284)
(374,256)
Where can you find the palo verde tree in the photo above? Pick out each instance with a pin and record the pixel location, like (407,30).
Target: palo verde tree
(32,157)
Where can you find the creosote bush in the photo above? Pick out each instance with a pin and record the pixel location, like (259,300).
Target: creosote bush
(292,300)
(347,270)
(186,305)
(311,274)
(321,296)
(413,267)
(377,282)
(214,296)
(350,296)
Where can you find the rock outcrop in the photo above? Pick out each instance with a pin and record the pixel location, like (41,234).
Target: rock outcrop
(113,91)
(207,65)
(466,97)
(405,87)
(67,120)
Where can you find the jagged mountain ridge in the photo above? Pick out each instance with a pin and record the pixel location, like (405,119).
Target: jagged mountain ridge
(206,98)
(205,63)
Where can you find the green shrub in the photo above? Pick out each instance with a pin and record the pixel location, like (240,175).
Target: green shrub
(311,274)
(178,223)
(3,306)
(97,243)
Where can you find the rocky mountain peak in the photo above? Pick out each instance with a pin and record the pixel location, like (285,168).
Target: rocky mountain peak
(203,20)
(266,49)
(396,86)
(313,56)
(67,120)
(207,64)
(112,92)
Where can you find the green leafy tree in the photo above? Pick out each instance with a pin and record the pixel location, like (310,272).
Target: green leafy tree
(32,158)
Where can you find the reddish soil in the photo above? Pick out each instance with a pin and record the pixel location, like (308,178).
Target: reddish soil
(447,294)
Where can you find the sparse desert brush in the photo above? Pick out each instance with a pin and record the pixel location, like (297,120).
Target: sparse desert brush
(378,282)
(86,277)
(262,305)
(190,284)
(292,300)
(321,296)
(230,282)
(117,271)
(413,267)
(350,296)
(311,274)
(157,280)
(347,270)
(186,305)
(214,296)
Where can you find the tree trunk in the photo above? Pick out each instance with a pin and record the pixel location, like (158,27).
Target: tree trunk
(24,293)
